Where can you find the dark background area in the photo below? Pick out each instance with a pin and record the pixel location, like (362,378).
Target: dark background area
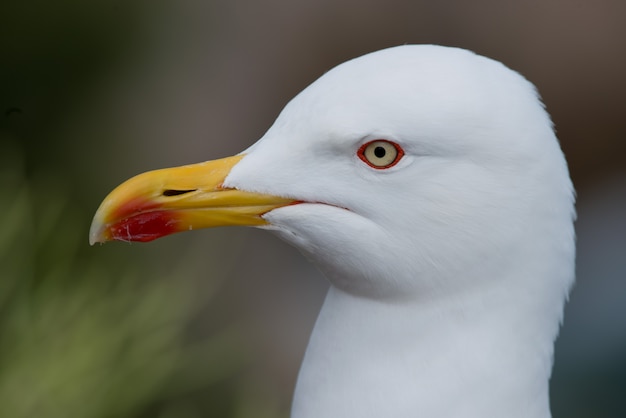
(215,323)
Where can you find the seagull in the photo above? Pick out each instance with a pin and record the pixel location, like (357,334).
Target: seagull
(428,185)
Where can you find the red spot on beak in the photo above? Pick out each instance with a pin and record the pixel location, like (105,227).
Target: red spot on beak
(145,227)
(142,221)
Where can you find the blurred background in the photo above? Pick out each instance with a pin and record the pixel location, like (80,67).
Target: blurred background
(214,323)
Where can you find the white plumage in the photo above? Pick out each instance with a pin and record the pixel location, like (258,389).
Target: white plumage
(449,270)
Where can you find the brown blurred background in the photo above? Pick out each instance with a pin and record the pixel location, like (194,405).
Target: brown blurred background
(94,92)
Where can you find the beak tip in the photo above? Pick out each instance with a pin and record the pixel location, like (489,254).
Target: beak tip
(97,232)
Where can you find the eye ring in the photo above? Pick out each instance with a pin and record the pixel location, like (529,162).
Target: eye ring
(380,153)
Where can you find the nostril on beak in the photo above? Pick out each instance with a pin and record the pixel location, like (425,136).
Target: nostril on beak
(171,192)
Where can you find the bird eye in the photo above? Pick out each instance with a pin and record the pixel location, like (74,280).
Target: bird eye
(380,153)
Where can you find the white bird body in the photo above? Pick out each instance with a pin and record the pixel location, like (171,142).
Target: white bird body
(449,269)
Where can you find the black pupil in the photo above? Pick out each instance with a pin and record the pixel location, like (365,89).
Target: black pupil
(379,152)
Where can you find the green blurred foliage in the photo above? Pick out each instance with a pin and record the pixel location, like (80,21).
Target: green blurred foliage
(94,332)
(84,337)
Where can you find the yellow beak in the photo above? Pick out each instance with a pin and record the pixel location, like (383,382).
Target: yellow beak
(162,202)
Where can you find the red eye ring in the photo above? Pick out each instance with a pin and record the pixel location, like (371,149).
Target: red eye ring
(380,154)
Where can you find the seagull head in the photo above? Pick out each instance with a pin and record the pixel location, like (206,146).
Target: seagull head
(409,172)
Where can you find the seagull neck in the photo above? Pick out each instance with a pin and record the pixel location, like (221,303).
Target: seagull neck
(459,357)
